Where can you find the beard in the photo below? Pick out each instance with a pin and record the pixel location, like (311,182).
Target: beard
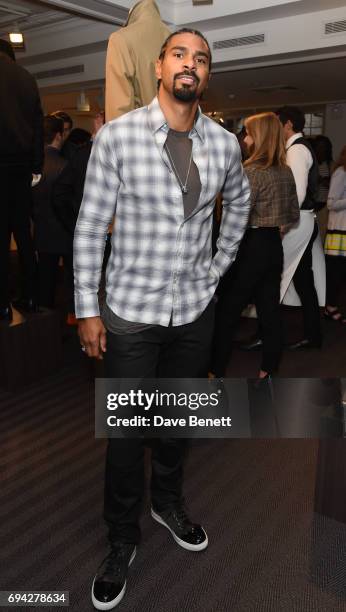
(185,93)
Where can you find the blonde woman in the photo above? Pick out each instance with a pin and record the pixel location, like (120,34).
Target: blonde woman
(257,270)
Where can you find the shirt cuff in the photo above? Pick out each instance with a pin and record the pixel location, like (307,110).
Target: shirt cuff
(221,262)
(86,305)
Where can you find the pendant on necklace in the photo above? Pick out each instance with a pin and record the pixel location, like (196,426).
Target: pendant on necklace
(184,190)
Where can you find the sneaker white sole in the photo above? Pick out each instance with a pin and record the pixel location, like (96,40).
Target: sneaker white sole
(110,604)
(202,546)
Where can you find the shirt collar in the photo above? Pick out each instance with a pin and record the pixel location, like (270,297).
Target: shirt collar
(293,138)
(157,120)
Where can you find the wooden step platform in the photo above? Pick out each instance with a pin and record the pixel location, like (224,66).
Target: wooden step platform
(30,348)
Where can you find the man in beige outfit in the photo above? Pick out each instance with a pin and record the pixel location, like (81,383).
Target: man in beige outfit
(131,55)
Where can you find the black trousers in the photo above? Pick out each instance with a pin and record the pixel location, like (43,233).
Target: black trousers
(15,185)
(256,276)
(163,352)
(336,278)
(48,267)
(303,280)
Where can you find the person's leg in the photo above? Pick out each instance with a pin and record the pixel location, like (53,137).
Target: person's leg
(267,301)
(303,280)
(127,356)
(48,265)
(249,268)
(334,273)
(21,228)
(184,354)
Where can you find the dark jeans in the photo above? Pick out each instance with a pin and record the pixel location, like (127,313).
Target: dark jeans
(304,284)
(15,218)
(256,276)
(48,267)
(163,352)
(336,278)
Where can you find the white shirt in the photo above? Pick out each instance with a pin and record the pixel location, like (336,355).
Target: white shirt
(299,159)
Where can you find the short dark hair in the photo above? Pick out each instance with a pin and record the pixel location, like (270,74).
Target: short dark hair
(293,114)
(64,116)
(324,143)
(52,126)
(79,136)
(7,49)
(184,31)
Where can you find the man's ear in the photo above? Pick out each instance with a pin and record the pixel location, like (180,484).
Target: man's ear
(158,69)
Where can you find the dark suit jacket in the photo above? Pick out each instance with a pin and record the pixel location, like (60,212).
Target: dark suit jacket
(21,118)
(50,235)
(68,192)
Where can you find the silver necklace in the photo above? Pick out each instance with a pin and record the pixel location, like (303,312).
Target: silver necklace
(183,186)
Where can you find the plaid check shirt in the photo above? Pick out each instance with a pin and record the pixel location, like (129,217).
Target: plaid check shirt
(161,266)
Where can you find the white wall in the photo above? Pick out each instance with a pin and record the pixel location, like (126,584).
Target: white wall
(283,36)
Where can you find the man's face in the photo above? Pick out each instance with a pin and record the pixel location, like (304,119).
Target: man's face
(248,141)
(288,129)
(184,69)
(59,140)
(67,130)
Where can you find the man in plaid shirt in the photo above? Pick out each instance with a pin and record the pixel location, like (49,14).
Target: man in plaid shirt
(159,169)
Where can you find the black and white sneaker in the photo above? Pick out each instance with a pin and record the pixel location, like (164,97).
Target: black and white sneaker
(109,584)
(187,534)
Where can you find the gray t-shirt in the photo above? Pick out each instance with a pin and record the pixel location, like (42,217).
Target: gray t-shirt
(178,147)
(119,326)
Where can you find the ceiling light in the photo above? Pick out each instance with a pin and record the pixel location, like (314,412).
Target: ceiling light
(16,38)
(83,104)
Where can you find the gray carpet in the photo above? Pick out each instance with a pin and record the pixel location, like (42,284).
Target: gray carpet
(268,550)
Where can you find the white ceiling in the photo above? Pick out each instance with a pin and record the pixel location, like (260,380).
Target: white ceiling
(28,14)
(254,78)
(307,84)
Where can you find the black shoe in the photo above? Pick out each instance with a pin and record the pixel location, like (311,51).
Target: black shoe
(187,534)
(304,344)
(26,305)
(255,345)
(109,584)
(6,314)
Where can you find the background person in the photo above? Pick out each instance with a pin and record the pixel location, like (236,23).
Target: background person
(257,269)
(324,153)
(21,157)
(68,195)
(68,148)
(335,243)
(303,241)
(69,187)
(51,239)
